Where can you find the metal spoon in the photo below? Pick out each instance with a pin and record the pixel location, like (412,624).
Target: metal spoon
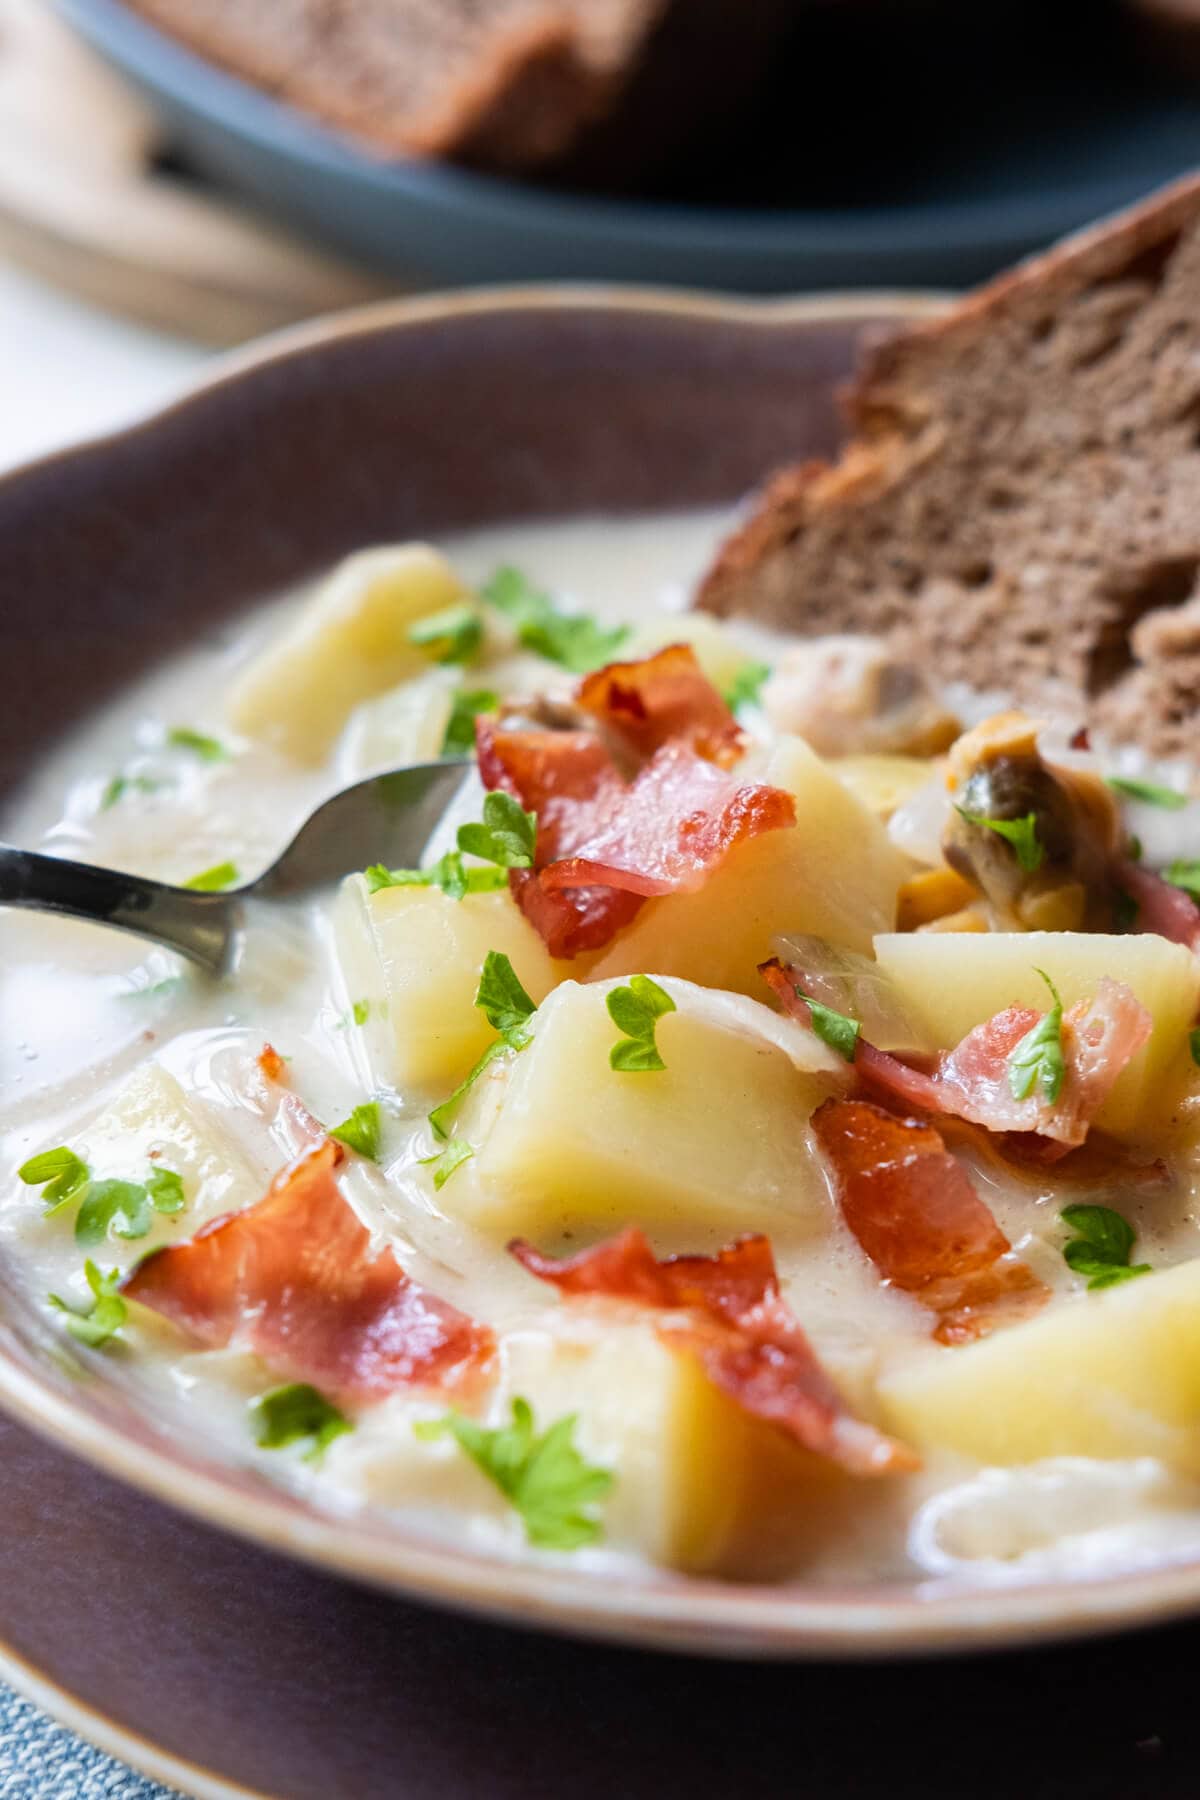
(384,819)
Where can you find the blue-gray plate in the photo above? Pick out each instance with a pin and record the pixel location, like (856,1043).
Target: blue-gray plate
(977,177)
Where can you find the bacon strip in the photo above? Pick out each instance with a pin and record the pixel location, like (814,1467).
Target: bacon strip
(294,1278)
(1161,907)
(661,699)
(739,1329)
(914,1211)
(1099,1038)
(604,843)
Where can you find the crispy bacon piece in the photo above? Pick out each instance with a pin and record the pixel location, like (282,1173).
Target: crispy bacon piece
(677,822)
(1161,907)
(271,1063)
(295,1279)
(605,844)
(737,1325)
(1099,1037)
(662,699)
(912,1208)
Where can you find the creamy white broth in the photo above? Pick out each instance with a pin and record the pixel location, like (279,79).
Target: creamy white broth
(82,1009)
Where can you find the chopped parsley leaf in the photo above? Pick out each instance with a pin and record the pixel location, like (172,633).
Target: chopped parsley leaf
(450,636)
(286,1415)
(214,880)
(65,1178)
(635,1010)
(449,873)
(1184,873)
(1194,1045)
(1102,1245)
(836,1029)
(1148,791)
(208,749)
(104,1317)
(360,1012)
(746,686)
(576,641)
(120,785)
(445,1161)
(543,1477)
(460,730)
(1038,1058)
(59,1173)
(508,1009)
(361,1131)
(507,835)
(1020,833)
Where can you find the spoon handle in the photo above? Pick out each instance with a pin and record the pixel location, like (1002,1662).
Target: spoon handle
(198,926)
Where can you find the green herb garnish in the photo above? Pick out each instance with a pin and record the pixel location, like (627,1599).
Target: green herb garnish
(1102,1246)
(361,1131)
(444,1162)
(836,1029)
(1185,874)
(286,1415)
(208,749)
(59,1173)
(64,1178)
(576,641)
(1149,791)
(544,1478)
(508,1009)
(507,835)
(1020,833)
(214,880)
(120,785)
(360,1012)
(450,636)
(746,686)
(636,1010)
(449,873)
(104,1317)
(460,731)
(1194,1045)
(1038,1058)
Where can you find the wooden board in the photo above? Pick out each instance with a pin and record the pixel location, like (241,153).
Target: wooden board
(85,201)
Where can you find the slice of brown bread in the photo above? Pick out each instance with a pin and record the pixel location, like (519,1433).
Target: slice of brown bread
(500,84)
(1020,505)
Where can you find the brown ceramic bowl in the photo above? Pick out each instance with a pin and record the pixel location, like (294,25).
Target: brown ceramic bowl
(422,418)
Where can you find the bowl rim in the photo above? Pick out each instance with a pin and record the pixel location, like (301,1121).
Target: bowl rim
(681,1614)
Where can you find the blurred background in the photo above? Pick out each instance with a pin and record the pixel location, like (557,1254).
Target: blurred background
(214,168)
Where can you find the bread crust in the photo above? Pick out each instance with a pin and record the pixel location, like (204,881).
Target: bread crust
(1020,501)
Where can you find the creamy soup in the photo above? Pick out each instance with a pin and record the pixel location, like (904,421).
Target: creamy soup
(956,1381)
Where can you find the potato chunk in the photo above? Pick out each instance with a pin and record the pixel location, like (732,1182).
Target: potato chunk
(719,1138)
(411,957)
(950,984)
(349,644)
(835,875)
(699,1485)
(1115,1373)
(405,725)
(150,1123)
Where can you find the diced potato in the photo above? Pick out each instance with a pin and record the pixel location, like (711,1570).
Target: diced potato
(1115,1373)
(152,1124)
(700,1486)
(405,725)
(883,782)
(718,1138)
(414,956)
(719,654)
(834,876)
(349,644)
(950,984)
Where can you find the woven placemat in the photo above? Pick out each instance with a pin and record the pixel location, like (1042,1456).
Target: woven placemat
(40,1760)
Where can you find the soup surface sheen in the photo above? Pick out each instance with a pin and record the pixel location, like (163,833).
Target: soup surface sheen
(83,1010)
